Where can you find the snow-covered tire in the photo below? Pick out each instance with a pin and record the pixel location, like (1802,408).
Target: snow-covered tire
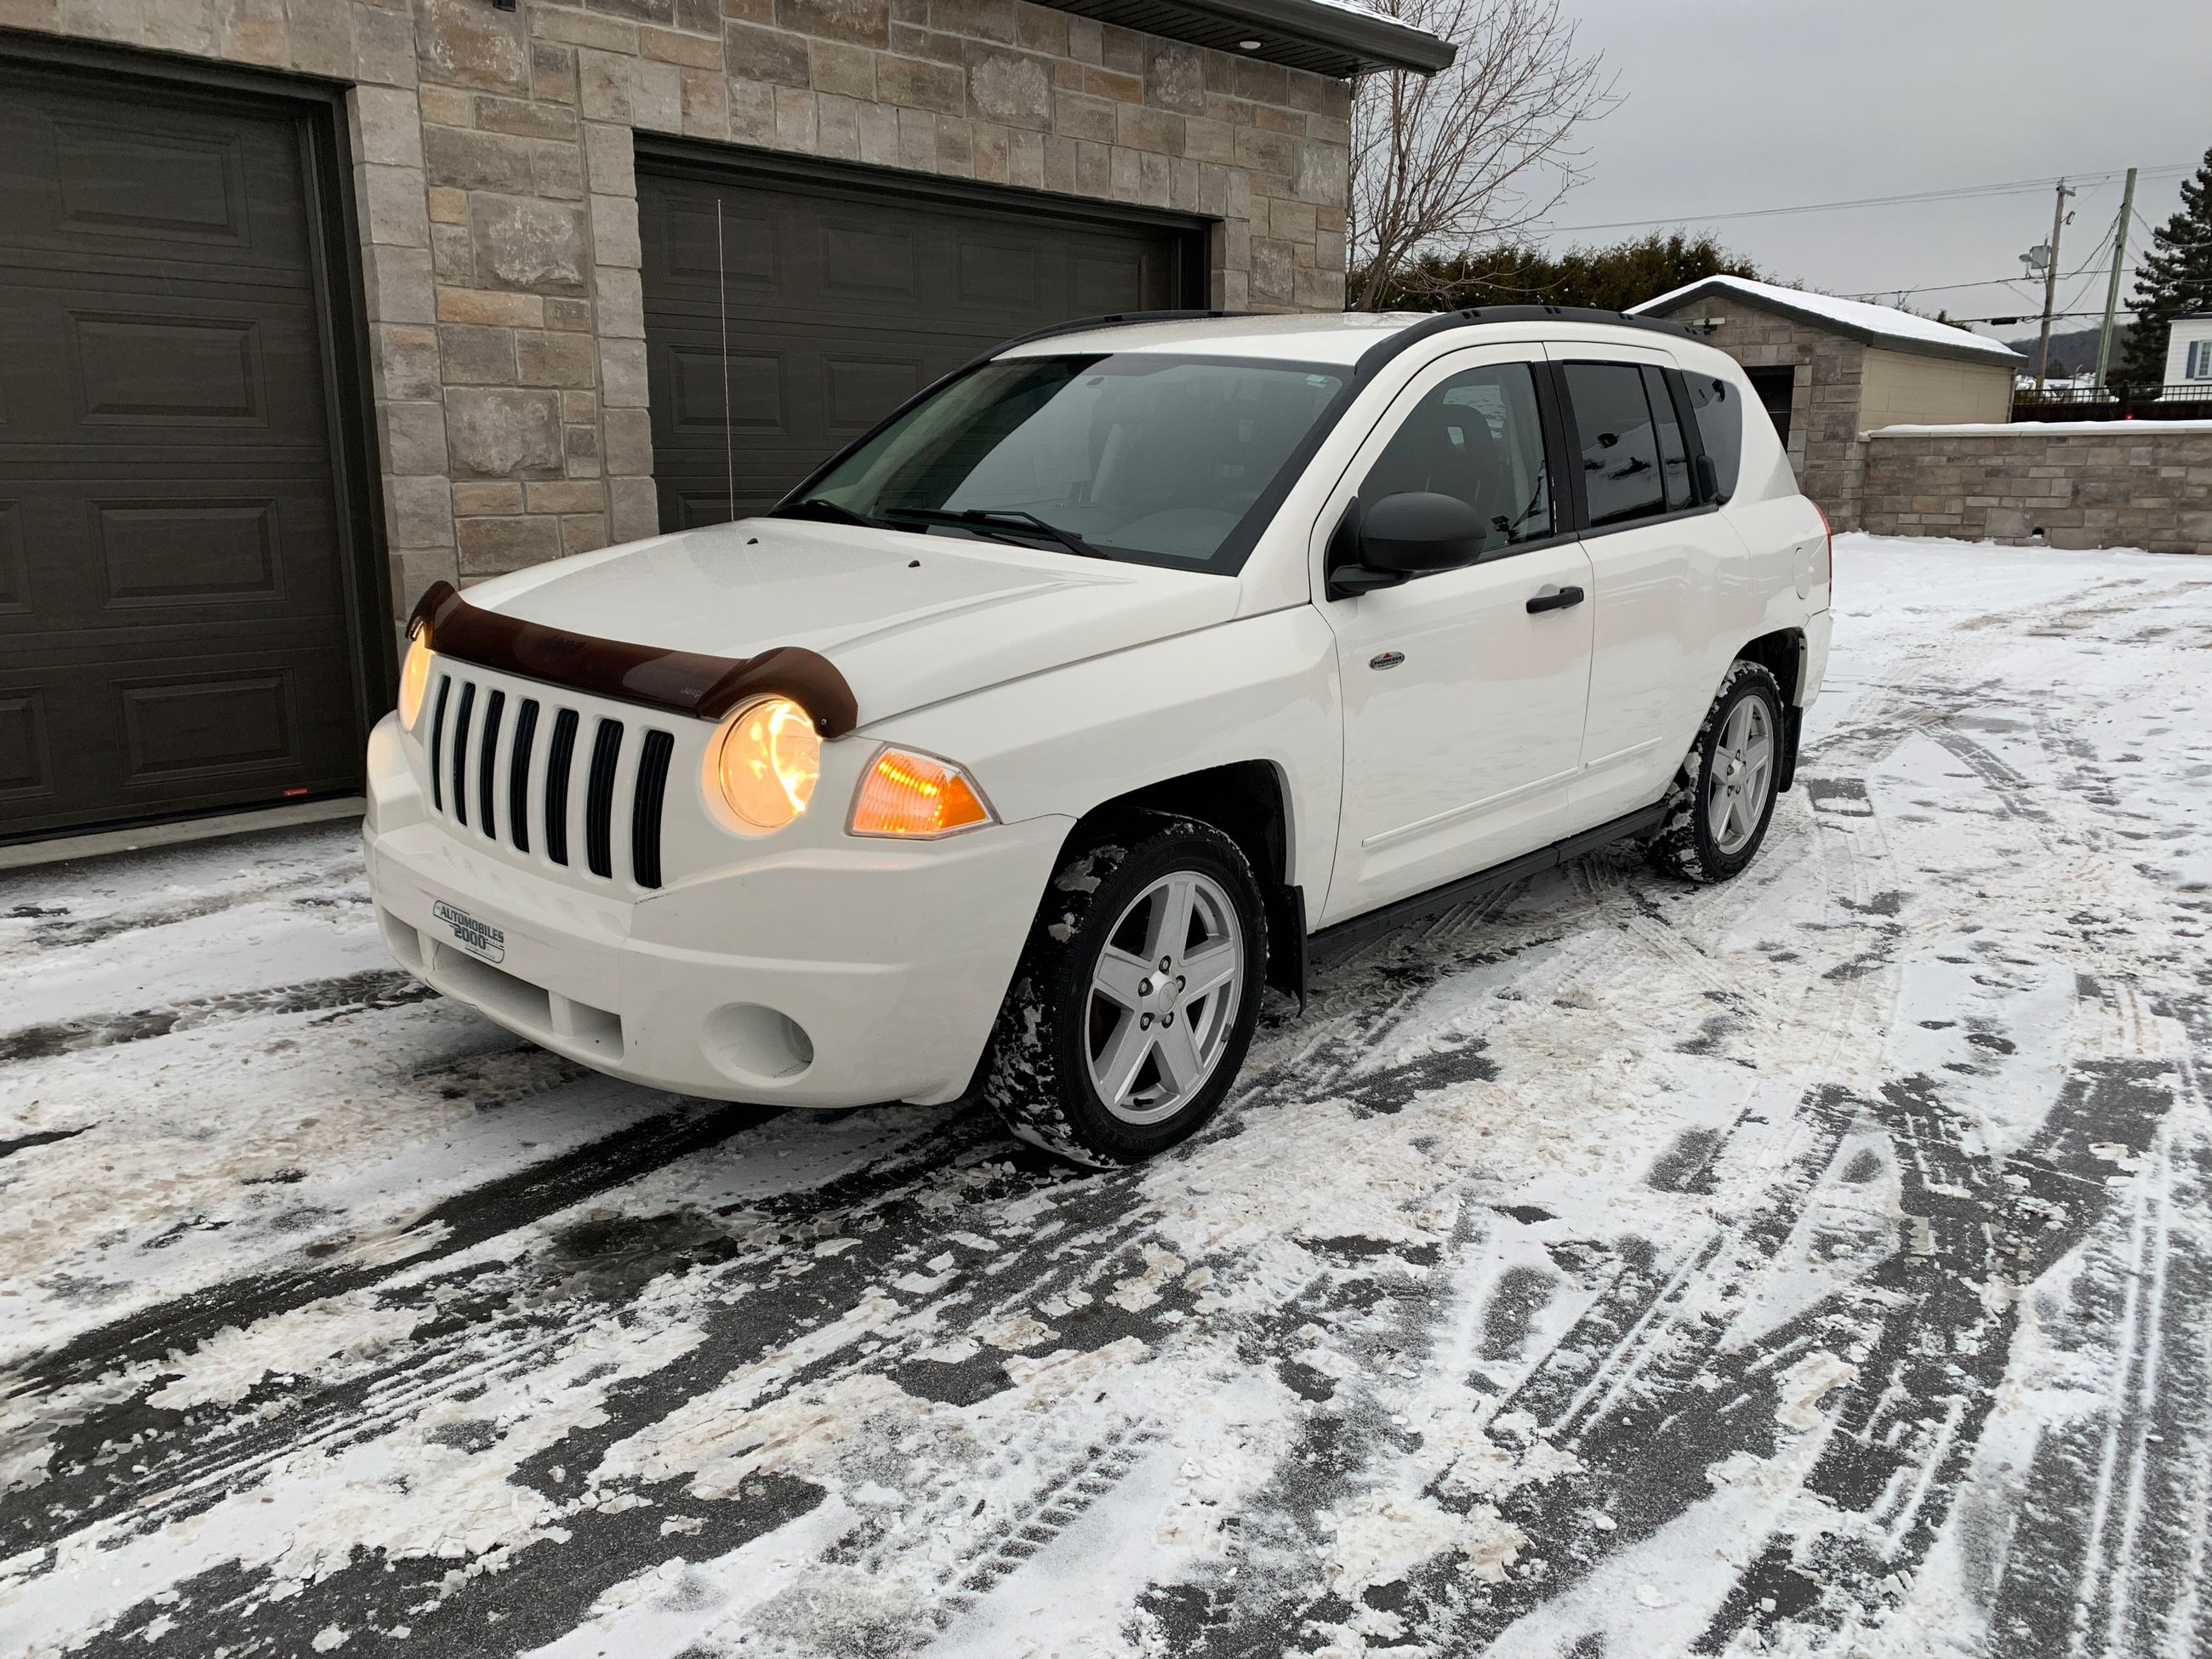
(1058,1024)
(1688,844)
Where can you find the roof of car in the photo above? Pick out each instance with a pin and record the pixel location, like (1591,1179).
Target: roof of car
(1339,338)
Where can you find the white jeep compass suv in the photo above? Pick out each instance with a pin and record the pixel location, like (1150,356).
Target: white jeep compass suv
(1018,748)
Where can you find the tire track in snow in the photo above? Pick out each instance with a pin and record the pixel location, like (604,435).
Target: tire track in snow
(1915,1489)
(54,929)
(455,1224)
(348,993)
(396,1391)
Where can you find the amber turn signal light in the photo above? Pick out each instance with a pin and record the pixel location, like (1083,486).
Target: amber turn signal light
(917,798)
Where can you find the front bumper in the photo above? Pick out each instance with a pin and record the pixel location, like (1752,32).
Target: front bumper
(823,975)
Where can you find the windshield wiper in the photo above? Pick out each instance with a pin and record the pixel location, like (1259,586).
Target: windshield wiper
(817,507)
(1006,520)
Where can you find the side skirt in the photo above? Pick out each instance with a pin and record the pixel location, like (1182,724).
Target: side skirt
(1361,928)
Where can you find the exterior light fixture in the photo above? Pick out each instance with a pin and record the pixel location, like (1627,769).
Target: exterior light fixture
(1248,46)
(767,763)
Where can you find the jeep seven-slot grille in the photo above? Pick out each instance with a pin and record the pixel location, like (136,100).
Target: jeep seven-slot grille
(484,757)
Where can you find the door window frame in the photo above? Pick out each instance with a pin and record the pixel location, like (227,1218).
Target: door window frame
(1561,355)
(1334,520)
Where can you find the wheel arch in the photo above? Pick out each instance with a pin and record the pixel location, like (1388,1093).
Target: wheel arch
(1783,653)
(1248,801)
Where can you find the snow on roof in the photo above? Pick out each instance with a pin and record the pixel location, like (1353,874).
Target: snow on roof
(1853,316)
(1364,10)
(2132,430)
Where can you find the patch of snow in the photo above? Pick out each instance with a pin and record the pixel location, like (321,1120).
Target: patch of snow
(1852,313)
(2118,431)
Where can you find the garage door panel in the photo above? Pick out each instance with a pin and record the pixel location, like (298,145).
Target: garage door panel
(168,371)
(201,724)
(1101,273)
(175,180)
(174,627)
(687,251)
(26,759)
(994,272)
(871,264)
(122,554)
(162,553)
(843,300)
(178,735)
(14,565)
(165,180)
(857,389)
(128,372)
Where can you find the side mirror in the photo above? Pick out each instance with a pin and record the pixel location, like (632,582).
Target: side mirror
(1418,532)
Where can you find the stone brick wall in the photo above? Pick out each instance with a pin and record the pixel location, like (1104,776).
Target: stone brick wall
(2095,484)
(493,162)
(1823,415)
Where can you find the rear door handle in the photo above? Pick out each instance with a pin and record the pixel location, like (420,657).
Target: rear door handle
(1556,598)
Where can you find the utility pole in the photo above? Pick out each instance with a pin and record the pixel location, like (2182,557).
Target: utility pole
(2112,288)
(2051,288)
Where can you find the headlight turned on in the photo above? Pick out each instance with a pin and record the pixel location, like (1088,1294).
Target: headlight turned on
(769,758)
(917,798)
(414,677)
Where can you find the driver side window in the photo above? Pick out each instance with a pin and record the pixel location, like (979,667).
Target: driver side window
(1477,437)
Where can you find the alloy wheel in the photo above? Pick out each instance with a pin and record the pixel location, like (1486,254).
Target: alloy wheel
(1165,994)
(1742,776)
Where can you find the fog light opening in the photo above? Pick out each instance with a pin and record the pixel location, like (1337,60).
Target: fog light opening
(750,1041)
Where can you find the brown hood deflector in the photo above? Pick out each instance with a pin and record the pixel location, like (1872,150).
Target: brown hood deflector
(682,682)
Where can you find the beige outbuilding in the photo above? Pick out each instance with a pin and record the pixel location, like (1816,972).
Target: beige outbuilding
(1831,370)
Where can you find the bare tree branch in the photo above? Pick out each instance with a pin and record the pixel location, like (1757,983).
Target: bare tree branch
(1476,153)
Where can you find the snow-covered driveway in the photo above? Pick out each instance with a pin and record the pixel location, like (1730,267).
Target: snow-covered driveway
(1820,1263)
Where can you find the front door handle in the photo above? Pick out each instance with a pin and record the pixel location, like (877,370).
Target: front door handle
(1556,598)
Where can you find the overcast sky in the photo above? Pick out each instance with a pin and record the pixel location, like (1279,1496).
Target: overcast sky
(1747,104)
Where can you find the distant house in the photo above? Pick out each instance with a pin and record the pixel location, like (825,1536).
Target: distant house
(2189,351)
(1829,370)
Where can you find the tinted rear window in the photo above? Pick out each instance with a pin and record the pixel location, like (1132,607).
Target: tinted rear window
(1719,410)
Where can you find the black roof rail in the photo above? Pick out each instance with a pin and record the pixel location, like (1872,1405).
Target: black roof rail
(1383,349)
(1112,319)
(1477,316)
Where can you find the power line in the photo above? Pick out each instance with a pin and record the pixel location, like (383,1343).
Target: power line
(2024,317)
(2180,247)
(1936,288)
(2104,242)
(1957,193)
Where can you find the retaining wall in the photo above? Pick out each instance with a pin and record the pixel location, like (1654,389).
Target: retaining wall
(2090,483)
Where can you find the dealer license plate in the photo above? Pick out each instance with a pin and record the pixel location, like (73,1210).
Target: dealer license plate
(478,938)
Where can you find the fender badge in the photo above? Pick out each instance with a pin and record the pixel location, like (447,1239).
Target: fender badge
(1387,659)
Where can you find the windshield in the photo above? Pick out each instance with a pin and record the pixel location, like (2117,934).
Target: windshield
(1141,456)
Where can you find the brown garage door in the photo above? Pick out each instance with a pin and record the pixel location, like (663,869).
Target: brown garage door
(844,297)
(175,629)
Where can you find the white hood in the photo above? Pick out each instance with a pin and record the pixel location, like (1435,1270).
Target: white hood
(907,619)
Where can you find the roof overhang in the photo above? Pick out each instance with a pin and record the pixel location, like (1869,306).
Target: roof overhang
(1911,345)
(1328,37)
